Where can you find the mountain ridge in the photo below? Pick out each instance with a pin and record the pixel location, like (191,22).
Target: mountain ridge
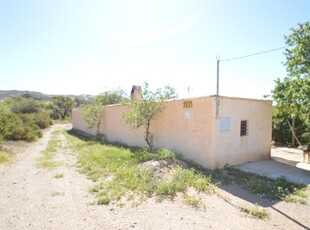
(5,94)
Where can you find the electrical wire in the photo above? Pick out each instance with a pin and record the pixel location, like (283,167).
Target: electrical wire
(254,54)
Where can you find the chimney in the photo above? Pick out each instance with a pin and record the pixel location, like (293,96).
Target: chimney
(136,93)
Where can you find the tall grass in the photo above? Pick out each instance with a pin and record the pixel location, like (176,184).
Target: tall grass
(47,158)
(114,169)
(5,156)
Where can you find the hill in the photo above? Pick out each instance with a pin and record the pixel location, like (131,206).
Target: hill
(36,95)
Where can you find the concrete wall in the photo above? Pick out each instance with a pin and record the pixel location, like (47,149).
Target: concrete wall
(231,148)
(185,130)
(78,123)
(194,131)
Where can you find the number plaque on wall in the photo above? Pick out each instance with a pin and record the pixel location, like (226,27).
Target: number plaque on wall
(187,104)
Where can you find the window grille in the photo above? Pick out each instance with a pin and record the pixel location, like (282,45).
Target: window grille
(244,128)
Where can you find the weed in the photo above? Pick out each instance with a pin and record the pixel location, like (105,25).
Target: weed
(4,156)
(46,160)
(193,200)
(57,132)
(55,193)
(143,155)
(52,146)
(294,199)
(115,171)
(59,175)
(256,212)
(47,164)
(103,200)
(181,180)
(269,188)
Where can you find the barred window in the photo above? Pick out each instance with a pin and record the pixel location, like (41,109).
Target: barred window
(244,128)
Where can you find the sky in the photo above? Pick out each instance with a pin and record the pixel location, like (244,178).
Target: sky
(89,46)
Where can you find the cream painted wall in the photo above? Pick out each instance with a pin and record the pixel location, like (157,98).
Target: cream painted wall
(194,132)
(116,130)
(78,123)
(185,130)
(231,148)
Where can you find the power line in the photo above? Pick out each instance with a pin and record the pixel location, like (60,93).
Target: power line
(254,54)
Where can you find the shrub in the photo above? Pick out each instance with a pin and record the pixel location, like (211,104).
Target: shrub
(22,105)
(42,120)
(25,123)
(20,127)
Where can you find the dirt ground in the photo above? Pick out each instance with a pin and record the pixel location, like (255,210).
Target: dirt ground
(32,198)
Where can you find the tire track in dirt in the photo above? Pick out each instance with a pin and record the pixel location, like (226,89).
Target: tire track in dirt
(32,198)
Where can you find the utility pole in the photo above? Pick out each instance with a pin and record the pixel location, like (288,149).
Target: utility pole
(217,100)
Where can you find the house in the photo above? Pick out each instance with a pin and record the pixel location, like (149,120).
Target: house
(211,134)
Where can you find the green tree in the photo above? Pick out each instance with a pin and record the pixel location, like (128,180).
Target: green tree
(61,107)
(298,53)
(167,92)
(291,94)
(112,97)
(93,111)
(93,114)
(143,111)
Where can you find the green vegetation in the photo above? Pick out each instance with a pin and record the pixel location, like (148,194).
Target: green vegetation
(272,189)
(291,95)
(92,114)
(256,212)
(117,176)
(47,158)
(193,201)
(58,176)
(55,193)
(143,111)
(22,105)
(93,110)
(114,169)
(182,180)
(22,119)
(61,107)
(5,156)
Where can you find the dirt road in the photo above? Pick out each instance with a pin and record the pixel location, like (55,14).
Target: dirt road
(32,198)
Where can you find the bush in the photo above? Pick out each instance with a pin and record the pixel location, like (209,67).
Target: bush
(19,127)
(42,120)
(22,105)
(22,119)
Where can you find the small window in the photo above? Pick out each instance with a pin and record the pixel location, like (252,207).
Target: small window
(244,128)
